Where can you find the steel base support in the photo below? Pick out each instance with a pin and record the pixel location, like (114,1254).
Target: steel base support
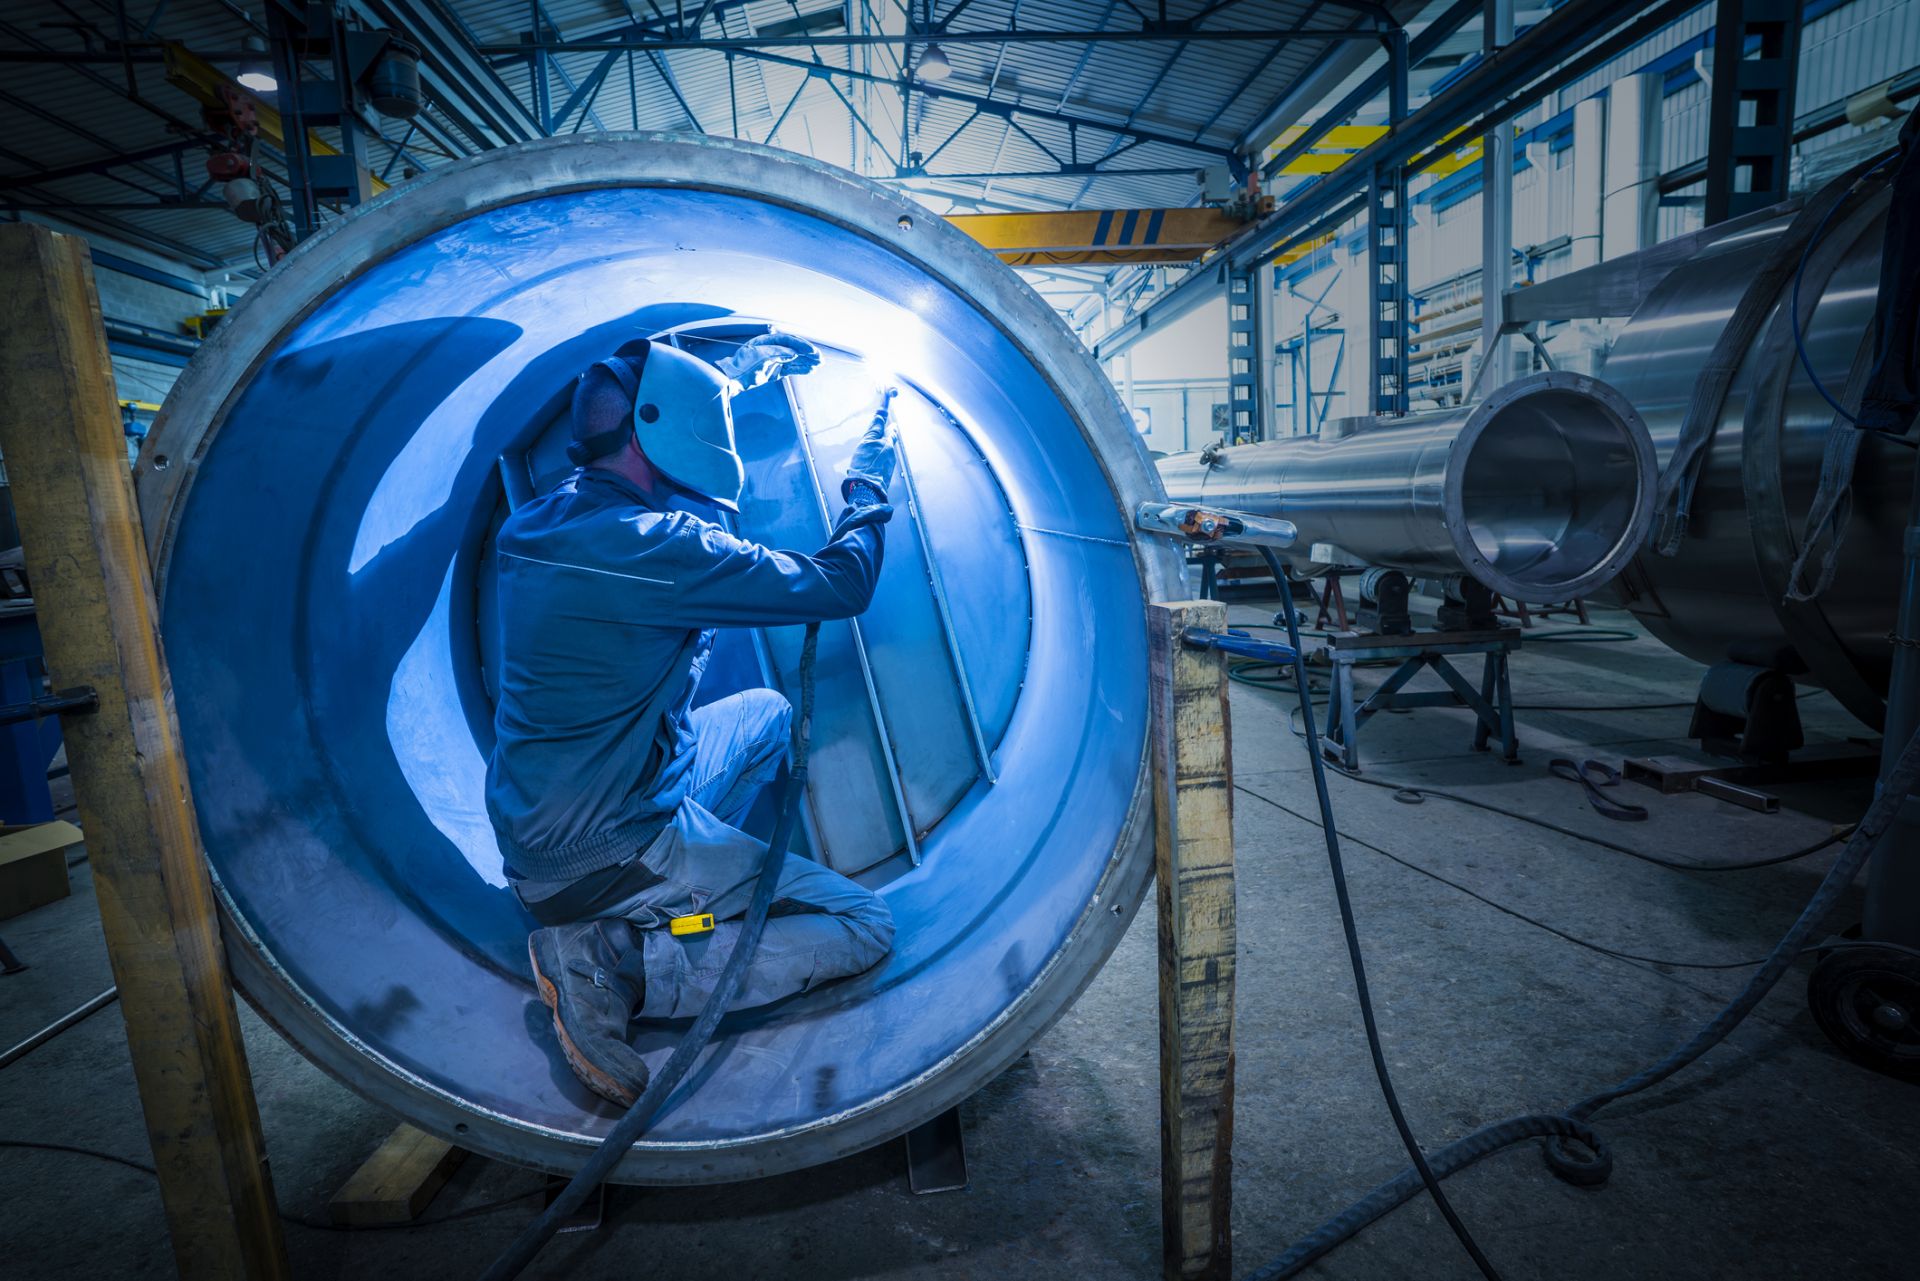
(937,1155)
(1491,704)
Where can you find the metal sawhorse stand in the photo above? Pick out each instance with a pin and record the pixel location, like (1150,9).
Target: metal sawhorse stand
(1492,703)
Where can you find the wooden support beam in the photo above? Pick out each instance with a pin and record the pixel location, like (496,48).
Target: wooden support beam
(67,465)
(397,1182)
(1193,823)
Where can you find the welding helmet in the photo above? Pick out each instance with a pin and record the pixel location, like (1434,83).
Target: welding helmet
(682,418)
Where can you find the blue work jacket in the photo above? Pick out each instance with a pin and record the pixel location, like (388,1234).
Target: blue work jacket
(606,609)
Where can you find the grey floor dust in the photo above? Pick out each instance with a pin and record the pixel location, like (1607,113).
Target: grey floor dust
(1774,1158)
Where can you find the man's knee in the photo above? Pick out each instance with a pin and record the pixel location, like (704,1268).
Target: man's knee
(871,926)
(768,714)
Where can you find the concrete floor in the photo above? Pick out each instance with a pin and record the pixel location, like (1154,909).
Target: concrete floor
(1774,1158)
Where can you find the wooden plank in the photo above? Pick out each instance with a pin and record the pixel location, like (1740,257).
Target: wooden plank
(66,460)
(1193,821)
(397,1182)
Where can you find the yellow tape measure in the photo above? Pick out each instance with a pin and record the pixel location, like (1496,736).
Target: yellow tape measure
(698,923)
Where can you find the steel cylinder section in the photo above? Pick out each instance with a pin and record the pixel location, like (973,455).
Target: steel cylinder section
(1724,593)
(321,494)
(1542,491)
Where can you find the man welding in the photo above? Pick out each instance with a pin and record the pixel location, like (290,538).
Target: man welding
(615,798)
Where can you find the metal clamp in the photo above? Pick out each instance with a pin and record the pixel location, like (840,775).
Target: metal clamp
(1214,526)
(1241,644)
(81,698)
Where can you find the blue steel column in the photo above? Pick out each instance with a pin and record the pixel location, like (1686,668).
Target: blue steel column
(1496,216)
(309,102)
(1246,339)
(1386,254)
(1748,158)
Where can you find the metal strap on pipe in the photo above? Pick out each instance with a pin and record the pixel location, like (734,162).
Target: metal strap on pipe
(1831,512)
(1674,503)
(1762,430)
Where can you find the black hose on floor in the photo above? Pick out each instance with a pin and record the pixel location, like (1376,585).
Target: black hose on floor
(1573,1123)
(627,1131)
(1423,1175)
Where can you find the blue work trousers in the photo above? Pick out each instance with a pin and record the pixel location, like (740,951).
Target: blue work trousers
(822,925)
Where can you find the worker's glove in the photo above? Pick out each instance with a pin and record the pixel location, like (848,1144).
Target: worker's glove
(768,356)
(872,463)
(865,506)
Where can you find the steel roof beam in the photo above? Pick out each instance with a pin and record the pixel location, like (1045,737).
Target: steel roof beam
(993,106)
(96,167)
(1483,97)
(59,121)
(1077,171)
(1418,48)
(469,78)
(1313,86)
(552,126)
(162,205)
(121,229)
(1009,36)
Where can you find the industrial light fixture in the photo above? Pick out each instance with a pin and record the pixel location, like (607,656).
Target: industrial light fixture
(256,70)
(934,66)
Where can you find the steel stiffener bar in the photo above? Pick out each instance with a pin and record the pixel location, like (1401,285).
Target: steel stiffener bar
(981,750)
(887,754)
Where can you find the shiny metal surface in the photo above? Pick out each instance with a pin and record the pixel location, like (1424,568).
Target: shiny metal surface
(1542,490)
(1214,525)
(1717,597)
(320,494)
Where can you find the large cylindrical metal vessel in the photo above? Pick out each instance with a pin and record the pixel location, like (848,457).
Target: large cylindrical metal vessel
(321,493)
(1724,594)
(1542,490)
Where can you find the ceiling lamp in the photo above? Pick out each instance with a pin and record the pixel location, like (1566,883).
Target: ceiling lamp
(256,72)
(934,66)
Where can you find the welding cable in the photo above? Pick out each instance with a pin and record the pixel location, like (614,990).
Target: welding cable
(1507,910)
(1582,634)
(1404,790)
(1415,793)
(1593,1168)
(1593,775)
(1424,1174)
(1616,707)
(319,1225)
(627,1131)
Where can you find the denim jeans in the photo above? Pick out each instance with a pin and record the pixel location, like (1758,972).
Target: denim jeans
(822,926)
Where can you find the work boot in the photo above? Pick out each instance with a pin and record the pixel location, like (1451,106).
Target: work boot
(590,976)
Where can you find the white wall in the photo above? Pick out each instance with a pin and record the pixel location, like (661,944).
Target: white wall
(1172,379)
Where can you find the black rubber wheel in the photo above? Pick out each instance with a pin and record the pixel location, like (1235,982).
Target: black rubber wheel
(1867,1001)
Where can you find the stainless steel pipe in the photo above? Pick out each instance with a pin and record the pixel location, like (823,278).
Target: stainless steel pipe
(1724,595)
(321,493)
(1542,491)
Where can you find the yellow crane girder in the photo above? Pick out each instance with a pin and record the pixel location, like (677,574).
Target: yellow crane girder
(206,83)
(1099,236)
